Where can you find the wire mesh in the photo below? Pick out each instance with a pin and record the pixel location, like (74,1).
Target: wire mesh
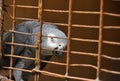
(70,11)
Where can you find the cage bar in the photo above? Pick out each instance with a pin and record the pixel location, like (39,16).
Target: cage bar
(66,11)
(1,26)
(64,76)
(38,51)
(13,35)
(69,37)
(100,40)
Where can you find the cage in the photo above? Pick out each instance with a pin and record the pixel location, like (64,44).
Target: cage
(92,28)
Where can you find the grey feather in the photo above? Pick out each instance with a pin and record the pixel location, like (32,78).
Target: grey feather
(47,42)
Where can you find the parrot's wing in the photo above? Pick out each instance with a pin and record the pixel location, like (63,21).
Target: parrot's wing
(43,64)
(19,38)
(29,27)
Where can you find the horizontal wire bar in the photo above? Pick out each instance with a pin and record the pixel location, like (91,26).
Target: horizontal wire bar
(73,65)
(73,25)
(23,33)
(84,65)
(82,53)
(75,52)
(31,34)
(66,11)
(85,40)
(111,27)
(104,70)
(112,14)
(62,76)
(59,75)
(51,62)
(25,6)
(61,24)
(111,42)
(57,11)
(77,39)
(85,12)
(21,6)
(85,53)
(22,57)
(110,71)
(18,44)
(85,26)
(5,67)
(111,58)
(19,18)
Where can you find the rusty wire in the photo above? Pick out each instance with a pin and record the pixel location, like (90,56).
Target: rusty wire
(63,76)
(69,37)
(73,25)
(66,11)
(13,36)
(68,51)
(1,27)
(100,40)
(38,42)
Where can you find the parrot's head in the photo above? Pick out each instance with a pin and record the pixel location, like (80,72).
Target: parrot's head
(56,40)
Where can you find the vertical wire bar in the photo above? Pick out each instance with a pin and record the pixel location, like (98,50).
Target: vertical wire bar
(100,40)
(35,77)
(39,35)
(69,37)
(0,30)
(13,36)
(1,27)
(37,67)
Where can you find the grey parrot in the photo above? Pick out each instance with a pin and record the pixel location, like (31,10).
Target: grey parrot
(51,43)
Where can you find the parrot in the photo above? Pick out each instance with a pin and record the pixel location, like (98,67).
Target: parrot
(52,38)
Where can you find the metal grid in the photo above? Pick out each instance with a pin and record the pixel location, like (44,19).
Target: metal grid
(100,41)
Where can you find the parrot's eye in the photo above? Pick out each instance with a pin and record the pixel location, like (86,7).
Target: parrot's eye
(52,39)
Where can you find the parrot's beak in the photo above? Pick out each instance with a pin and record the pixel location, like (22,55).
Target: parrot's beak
(58,53)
